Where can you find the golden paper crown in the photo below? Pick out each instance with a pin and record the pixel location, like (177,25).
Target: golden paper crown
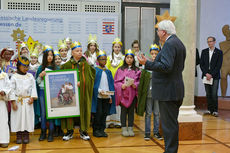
(62,44)
(47,48)
(75,44)
(22,61)
(92,39)
(56,53)
(34,53)
(129,52)
(154,47)
(117,40)
(68,39)
(101,53)
(37,44)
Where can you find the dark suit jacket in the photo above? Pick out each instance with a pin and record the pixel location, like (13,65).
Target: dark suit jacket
(167,81)
(215,64)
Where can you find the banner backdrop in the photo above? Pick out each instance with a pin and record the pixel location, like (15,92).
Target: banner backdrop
(49,27)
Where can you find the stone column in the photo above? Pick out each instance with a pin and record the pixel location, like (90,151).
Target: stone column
(186,12)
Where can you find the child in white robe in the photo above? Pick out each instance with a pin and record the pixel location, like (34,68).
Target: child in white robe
(23,92)
(4,92)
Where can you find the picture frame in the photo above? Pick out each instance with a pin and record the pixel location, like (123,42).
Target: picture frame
(62,95)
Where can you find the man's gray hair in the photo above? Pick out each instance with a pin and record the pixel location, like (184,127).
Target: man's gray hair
(168,26)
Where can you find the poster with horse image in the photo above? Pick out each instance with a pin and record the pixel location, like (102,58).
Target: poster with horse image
(62,94)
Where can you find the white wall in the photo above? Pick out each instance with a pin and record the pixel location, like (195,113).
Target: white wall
(212,16)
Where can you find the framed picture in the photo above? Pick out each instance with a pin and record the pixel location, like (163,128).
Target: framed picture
(10,70)
(62,94)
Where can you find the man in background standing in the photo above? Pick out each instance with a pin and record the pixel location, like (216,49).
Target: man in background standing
(210,64)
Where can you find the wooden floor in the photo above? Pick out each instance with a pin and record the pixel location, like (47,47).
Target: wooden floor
(216,139)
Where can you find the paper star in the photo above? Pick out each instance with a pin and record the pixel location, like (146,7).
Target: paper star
(31,43)
(18,35)
(165,16)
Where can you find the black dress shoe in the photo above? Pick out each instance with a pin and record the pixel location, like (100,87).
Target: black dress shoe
(104,134)
(97,133)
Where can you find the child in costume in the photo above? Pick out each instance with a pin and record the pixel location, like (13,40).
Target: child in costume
(114,61)
(92,49)
(23,94)
(34,64)
(126,83)
(6,55)
(103,104)
(63,50)
(4,95)
(24,50)
(57,129)
(57,58)
(48,63)
(68,41)
(136,48)
(86,76)
(145,102)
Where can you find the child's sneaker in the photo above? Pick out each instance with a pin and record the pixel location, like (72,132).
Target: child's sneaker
(84,135)
(158,136)
(68,135)
(147,136)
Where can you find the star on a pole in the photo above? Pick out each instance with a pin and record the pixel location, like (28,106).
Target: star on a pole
(165,16)
(31,43)
(18,35)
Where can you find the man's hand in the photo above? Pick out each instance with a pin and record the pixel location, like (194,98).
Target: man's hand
(209,76)
(142,60)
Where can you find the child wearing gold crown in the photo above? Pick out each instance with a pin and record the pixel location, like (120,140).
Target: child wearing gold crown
(86,76)
(48,64)
(57,58)
(92,49)
(145,102)
(34,64)
(126,83)
(103,103)
(114,61)
(4,95)
(23,94)
(63,50)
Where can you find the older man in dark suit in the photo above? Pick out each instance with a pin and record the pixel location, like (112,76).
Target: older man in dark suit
(210,64)
(167,81)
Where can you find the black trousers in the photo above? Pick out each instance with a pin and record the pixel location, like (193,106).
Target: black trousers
(169,111)
(211,95)
(99,118)
(128,111)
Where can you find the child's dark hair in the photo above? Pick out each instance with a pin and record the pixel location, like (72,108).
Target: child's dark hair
(87,53)
(19,63)
(135,42)
(45,62)
(125,65)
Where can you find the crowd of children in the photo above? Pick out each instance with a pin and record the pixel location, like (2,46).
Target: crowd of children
(111,87)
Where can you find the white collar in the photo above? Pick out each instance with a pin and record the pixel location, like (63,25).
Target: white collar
(168,37)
